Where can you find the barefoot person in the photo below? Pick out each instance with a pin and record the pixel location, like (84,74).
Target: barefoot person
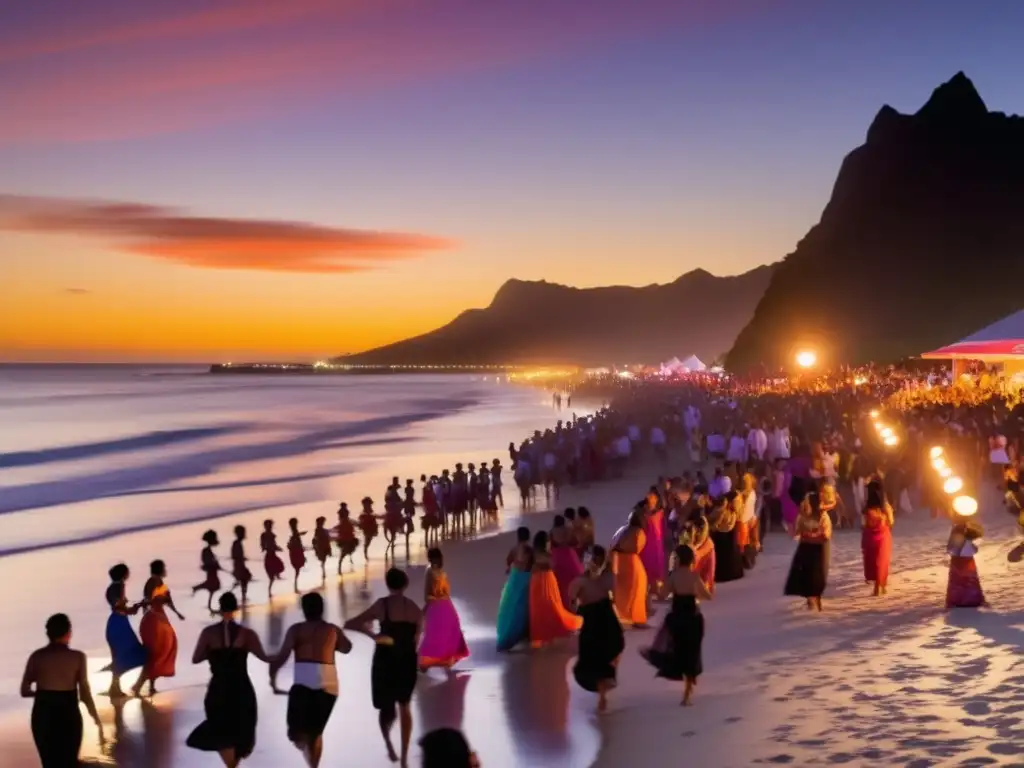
(394,670)
(676,652)
(296,551)
(345,535)
(158,636)
(314,642)
(211,567)
(808,575)
(630,577)
(549,618)
(272,562)
(876,538)
(601,639)
(230,703)
(240,571)
(513,623)
(126,652)
(322,545)
(443,643)
(57,678)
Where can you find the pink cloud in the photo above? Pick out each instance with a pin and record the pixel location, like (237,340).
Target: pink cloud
(215,243)
(242,61)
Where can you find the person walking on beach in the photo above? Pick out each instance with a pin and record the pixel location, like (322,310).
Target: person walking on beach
(239,570)
(630,591)
(876,538)
(394,670)
(808,575)
(369,527)
(157,633)
(513,623)
(126,652)
(211,567)
(345,535)
(322,546)
(314,643)
(676,652)
(296,551)
(601,639)
(443,643)
(447,748)
(272,562)
(57,678)
(230,703)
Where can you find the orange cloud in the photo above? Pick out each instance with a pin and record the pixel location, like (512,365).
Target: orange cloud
(215,243)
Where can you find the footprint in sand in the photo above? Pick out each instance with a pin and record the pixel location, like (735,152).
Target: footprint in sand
(780,759)
(1005,748)
(734,719)
(976,707)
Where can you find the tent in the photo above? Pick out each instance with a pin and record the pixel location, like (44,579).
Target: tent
(997,343)
(676,366)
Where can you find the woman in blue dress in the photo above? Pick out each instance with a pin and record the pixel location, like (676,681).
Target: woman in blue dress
(513,625)
(126,652)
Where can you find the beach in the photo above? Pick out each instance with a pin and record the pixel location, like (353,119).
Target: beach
(869,681)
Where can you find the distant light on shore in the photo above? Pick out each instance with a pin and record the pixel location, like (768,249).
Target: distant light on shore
(806,358)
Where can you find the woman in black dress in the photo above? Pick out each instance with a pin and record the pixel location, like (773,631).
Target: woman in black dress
(676,652)
(395,660)
(728,557)
(808,575)
(57,678)
(230,704)
(601,641)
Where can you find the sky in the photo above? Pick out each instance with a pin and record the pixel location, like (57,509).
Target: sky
(213,180)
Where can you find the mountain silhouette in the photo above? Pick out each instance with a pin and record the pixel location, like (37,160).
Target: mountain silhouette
(547,323)
(921,244)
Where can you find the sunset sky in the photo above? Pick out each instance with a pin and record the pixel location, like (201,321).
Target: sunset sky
(205,180)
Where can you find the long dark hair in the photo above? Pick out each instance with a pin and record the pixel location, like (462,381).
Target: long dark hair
(875,498)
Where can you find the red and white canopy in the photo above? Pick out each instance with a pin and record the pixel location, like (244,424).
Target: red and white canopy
(1003,340)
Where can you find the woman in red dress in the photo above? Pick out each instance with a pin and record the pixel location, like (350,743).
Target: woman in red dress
(157,634)
(296,550)
(272,562)
(876,538)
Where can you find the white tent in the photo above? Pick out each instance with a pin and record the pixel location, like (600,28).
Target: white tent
(693,363)
(676,366)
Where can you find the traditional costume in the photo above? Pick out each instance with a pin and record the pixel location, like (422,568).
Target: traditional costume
(442,644)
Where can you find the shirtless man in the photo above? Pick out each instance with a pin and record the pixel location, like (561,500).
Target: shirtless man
(314,642)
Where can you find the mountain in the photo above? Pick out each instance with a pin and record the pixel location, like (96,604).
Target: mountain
(545,323)
(921,244)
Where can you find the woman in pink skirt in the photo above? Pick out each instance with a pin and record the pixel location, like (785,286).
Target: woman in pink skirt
(443,644)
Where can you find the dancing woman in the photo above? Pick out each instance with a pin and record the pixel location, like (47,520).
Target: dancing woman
(963,589)
(345,535)
(876,538)
(230,703)
(369,526)
(314,643)
(126,652)
(394,670)
(808,575)
(272,562)
(549,619)
(443,643)
(513,625)
(322,545)
(296,551)
(565,562)
(57,678)
(630,592)
(211,567)
(601,640)
(157,634)
(676,652)
(653,554)
(240,571)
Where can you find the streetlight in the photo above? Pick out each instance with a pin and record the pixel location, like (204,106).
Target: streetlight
(806,358)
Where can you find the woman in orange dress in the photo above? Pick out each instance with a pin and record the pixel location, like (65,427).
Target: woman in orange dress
(157,634)
(630,576)
(549,620)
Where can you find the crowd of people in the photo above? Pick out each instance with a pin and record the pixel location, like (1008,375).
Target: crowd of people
(761,459)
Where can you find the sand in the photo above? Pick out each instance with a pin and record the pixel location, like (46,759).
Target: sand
(870,681)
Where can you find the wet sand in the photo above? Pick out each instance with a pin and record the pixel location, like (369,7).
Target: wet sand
(516,709)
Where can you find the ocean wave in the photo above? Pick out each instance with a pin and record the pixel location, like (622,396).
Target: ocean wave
(158,439)
(153,476)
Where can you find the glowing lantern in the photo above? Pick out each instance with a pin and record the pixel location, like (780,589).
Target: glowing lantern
(965,506)
(938,463)
(886,432)
(891,440)
(953,485)
(945,472)
(874,414)
(936,451)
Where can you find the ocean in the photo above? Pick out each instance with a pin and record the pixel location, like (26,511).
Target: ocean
(89,452)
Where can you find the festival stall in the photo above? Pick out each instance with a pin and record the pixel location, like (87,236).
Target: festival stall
(677,367)
(1001,343)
